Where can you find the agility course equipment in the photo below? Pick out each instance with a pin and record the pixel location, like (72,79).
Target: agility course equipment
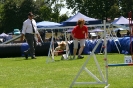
(17,49)
(6,42)
(51,51)
(131,35)
(111,48)
(116,38)
(104,80)
(131,32)
(98,81)
(120,64)
(110,37)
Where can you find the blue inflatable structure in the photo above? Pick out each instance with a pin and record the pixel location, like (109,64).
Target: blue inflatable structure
(16,50)
(113,46)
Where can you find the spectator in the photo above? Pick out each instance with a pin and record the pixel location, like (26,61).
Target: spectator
(118,33)
(128,32)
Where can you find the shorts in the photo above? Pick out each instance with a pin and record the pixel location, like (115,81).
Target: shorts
(75,42)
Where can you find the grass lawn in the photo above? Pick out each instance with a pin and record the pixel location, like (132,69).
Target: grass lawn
(19,73)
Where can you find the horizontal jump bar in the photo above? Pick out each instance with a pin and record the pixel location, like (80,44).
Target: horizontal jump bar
(60,51)
(120,64)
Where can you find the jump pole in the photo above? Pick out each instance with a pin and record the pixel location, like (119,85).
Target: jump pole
(98,81)
(120,64)
(50,57)
(52,51)
(131,32)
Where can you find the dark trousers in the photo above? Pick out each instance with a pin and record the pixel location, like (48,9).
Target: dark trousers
(30,38)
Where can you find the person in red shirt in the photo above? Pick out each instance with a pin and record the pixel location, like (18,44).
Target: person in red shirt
(79,33)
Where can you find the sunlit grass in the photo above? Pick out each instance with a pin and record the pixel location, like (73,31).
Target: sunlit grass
(20,73)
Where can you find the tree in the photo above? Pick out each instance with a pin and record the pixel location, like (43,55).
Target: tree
(63,17)
(26,7)
(126,7)
(114,11)
(9,16)
(1,10)
(57,5)
(44,10)
(45,13)
(96,8)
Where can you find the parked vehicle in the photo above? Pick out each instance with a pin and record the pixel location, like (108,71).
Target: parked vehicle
(16,32)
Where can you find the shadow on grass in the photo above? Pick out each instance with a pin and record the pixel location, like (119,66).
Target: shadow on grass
(23,59)
(57,60)
(87,87)
(66,60)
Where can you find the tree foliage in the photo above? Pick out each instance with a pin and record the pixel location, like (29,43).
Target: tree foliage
(126,7)
(96,8)
(26,7)
(14,12)
(9,16)
(63,17)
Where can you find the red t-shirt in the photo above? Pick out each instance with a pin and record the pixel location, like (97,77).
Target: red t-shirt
(80,33)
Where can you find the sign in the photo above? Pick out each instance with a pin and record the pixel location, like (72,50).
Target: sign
(128,59)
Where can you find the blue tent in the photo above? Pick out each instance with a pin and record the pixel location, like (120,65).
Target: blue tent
(121,20)
(73,20)
(47,24)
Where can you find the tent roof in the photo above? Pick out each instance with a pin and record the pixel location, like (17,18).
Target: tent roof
(3,35)
(72,21)
(76,17)
(46,24)
(121,20)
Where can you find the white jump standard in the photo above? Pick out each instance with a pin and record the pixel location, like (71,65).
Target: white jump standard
(104,79)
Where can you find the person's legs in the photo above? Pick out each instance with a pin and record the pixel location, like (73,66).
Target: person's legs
(80,50)
(75,43)
(34,46)
(30,41)
(82,44)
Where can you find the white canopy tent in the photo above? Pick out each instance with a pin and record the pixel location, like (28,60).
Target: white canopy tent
(4,35)
(121,20)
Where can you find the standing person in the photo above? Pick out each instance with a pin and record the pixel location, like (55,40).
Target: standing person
(128,33)
(118,33)
(29,30)
(79,33)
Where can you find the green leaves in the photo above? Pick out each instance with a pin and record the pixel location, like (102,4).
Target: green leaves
(95,8)
(9,16)
(14,12)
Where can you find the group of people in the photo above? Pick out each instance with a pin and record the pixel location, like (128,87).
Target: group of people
(119,34)
(29,31)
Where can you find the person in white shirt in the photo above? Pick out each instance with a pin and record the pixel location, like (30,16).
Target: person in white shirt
(29,30)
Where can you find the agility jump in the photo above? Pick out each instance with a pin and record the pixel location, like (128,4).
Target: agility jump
(102,76)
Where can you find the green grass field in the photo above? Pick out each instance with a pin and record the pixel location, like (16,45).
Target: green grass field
(36,73)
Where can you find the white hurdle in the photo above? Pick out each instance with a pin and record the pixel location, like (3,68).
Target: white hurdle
(51,52)
(98,81)
(50,57)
